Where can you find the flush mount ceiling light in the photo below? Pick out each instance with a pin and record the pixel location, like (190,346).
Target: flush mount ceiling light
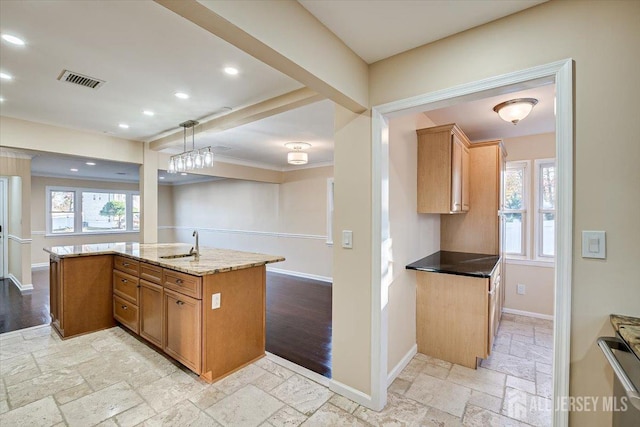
(297,156)
(123,126)
(515,110)
(90,163)
(148,113)
(193,159)
(181,95)
(232,71)
(13,39)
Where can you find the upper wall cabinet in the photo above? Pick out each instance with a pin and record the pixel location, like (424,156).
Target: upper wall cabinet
(443,170)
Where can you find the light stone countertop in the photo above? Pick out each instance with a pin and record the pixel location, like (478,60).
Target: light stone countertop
(629,329)
(211,260)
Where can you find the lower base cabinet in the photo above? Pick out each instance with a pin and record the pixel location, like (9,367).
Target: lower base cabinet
(152,312)
(126,313)
(182,337)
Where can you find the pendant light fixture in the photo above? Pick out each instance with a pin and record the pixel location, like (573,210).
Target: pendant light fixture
(515,110)
(297,156)
(193,159)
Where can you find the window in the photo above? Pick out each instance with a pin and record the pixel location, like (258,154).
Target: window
(545,208)
(515,208)
(83,210)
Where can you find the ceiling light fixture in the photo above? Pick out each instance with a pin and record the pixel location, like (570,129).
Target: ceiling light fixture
(193,159)
(232,71)
(13,39)
(123,126)
(5,76)
(297,156)
(181,95)
(73,170)
(515,110)
(90,163)
(148,113)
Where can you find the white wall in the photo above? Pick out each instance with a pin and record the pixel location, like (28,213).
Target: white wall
(413,235)
(287,219)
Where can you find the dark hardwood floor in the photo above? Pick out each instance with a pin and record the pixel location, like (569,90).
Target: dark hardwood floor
(299,321)
(19,311)
(298,316)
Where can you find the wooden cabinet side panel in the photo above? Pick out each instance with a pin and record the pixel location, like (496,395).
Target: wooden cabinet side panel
(234,334)
(477,231)
(434,172)
(87,294)
(452,317)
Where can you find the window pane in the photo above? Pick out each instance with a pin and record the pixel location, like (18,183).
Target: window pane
(62,216)
(103,211)
(513,192)
(548,233)
(135,210)
(513,233)
(548,186)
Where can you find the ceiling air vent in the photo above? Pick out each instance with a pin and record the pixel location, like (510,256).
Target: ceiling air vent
(80,79)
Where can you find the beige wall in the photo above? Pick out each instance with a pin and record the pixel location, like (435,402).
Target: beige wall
(599,37)
(39,212)
(166,219)
(288,219)
(538,280)
(413,235)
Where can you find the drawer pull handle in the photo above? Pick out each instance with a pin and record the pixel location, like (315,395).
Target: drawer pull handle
(124,307)
(179,281)
(179,302)
(123,280)
(125,264)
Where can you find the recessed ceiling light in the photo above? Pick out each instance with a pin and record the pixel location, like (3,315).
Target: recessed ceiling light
(183,173)
(73,170)
(161,177)
(123,126)
(13,39)
(1,99)
(148,113)
(232,71)
(182,95)
(90,163)
(5,76)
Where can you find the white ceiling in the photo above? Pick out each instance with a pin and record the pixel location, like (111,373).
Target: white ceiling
(375,30)
(146,53)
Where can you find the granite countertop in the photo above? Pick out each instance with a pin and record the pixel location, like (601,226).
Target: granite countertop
(211,260)
(629,329)
(460,263)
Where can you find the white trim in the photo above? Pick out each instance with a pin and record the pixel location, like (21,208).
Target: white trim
(40,266)
(527,313)
(525,165)
(299,274)
(38,233)
(351,393)
(232,231)
(19,239)
(313,376)
(562,72)
(402,364)
(530,263)
(22,288)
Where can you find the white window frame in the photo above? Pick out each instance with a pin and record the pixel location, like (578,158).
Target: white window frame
(330,191)
(539,211)
(526,176)
(77,210)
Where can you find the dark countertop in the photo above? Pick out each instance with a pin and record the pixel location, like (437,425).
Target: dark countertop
(629,329)
(460,263)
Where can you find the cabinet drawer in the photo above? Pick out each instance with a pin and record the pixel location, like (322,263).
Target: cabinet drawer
(125,313)
(127,265)
(125,286)
(151,273)
(183,283)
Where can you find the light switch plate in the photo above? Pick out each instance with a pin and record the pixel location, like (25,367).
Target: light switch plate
(347,239)
(594,244)
(215,301)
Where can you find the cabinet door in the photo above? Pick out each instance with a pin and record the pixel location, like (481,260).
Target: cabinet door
(456,174)
(182,337)
(465,179)
(151,313)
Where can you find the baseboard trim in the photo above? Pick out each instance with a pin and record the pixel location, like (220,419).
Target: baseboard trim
(40,266)
(351,393)
(22,288)
(313,376)
(299,274)
(402,364)
(528,313)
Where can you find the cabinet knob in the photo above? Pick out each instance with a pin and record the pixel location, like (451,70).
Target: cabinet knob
(179,302)
(125,264)
(124,307)
(179,281)
(123,280)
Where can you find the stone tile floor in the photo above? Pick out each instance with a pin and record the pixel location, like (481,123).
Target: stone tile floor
(109,378)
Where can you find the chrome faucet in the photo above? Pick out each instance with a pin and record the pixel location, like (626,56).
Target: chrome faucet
(195,252)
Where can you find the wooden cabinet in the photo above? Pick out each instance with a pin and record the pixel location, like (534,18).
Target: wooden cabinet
(182,337)
(80,294)
(456,316)
(126,313)
(443,170)
(151,312)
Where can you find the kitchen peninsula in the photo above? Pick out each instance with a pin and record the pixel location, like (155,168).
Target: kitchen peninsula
(207,312)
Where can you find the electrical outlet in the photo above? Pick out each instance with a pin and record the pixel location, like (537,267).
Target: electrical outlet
(521,289)
(215,301)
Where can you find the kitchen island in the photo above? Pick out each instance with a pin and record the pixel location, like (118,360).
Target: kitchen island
(207,312)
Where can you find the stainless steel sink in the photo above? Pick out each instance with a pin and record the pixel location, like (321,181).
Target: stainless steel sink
(176,256)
